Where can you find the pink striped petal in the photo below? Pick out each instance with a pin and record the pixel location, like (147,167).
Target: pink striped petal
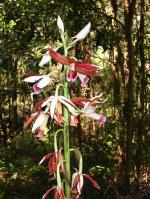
(36,89)
(84,79)
(102,119)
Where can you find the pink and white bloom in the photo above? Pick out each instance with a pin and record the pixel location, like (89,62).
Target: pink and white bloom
(40,120)
(84,32)
(74,120)
(78,181)
(54,104)
(88,107)
(89,111)
(75,69)
(40,81)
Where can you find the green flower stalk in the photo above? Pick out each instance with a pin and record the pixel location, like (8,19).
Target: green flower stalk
(66,128)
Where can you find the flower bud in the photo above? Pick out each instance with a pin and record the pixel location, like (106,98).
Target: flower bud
(60,25)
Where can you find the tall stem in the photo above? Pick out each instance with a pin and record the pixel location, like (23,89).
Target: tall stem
(66,131)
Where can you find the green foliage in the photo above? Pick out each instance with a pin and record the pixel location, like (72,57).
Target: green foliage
(20,174)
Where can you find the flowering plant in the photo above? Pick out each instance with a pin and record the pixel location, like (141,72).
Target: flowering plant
(64,110)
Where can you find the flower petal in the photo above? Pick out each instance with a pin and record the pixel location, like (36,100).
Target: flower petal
(38,105)
(69,107)
(53,106)
(40,135)
(58,118)
(84,79)
(96,97)
(102,119)
(59,58)
(67,100)
(45,59)
(84,32)
(89,109)
(46,102)
(74,120)
(94,183)
(77,183)
(43,126)
(60,25)
(48,191)
(43,82)
(71,74)
(79,101)
(46,157)
(33,79)
(39,121)
(87,69)
(36,89)
(94,116)
(30,120)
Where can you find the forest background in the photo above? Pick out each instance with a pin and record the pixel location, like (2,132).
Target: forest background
(117,155)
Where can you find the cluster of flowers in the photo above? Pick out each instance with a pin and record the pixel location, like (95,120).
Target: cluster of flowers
(52,108)
(56,158)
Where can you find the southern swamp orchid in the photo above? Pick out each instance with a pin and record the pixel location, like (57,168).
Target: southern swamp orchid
(53,160)
(51,106)
(54,104)
(58,192)
(75,69)
(89,111)
(39,125)
(88,107)
(40,81)
(78,181)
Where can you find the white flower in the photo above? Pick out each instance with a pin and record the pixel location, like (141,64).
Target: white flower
(84,32)
(60,25)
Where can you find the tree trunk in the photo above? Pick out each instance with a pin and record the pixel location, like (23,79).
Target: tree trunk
(141,94)
(129,96)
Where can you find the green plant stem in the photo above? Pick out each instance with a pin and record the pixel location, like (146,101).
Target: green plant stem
(66,131)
